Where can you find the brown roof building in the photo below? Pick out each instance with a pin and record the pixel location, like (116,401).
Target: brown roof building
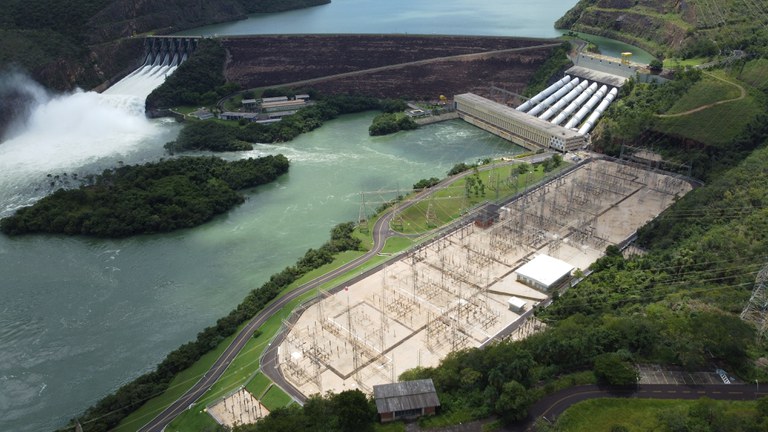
(405,400)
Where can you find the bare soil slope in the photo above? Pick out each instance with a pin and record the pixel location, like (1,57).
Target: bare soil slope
(282,60)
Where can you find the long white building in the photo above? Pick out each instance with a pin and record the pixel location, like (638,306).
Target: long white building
(516,126)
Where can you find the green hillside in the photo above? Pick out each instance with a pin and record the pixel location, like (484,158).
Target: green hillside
(68,43)
(670,28)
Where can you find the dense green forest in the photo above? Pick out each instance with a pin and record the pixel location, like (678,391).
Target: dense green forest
(388,123)
(207,135)
(109,411)
(348,411)
(155,197)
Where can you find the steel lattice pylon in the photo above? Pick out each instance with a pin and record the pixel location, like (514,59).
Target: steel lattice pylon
(756,311)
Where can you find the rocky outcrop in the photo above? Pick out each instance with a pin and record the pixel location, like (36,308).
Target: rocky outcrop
(651,24)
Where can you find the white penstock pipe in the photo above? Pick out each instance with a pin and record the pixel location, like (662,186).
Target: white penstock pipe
(586,108)
(544,93)
(564,101)
(590,123)
(546,103)
(575,104)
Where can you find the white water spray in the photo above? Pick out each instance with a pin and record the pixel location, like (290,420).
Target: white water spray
(63,133)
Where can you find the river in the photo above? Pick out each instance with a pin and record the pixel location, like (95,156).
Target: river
(80,316)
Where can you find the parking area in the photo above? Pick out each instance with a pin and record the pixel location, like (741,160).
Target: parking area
(654,374)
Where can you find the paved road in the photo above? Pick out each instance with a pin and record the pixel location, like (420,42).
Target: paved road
(381,232)
(555,404)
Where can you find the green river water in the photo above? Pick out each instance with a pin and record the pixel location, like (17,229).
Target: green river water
(79,317)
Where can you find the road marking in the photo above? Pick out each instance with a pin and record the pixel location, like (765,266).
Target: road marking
(656,391)
(716,392)
(688,391)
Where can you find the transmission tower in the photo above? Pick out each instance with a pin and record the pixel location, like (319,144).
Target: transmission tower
(756,311)
(362,216)
(430,216)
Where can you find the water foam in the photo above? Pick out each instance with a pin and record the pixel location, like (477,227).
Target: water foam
(64,132)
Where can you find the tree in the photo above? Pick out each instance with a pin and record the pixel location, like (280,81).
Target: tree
(656,65)
(354,411)
(611,369)
(513,402)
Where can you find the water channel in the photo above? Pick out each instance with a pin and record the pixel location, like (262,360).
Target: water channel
(79,316)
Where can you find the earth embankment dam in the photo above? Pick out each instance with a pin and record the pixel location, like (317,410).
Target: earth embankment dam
(401,65)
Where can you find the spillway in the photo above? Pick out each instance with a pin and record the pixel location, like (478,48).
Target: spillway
(162,56)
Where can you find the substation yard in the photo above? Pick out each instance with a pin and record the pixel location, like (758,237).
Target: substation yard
(453,292)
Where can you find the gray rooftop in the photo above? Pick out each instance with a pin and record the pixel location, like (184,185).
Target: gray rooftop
(405,395)
(598,76)
(490,107)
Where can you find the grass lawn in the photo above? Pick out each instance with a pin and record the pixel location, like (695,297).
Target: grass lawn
(180,384)
(258,384)
(192,420)
(446,419)
(389,427)
(453,201)
(397,244)
(247,362)
(716,126)
(638,415)
(275,398)
(755,73)
(708,90)
(673,62)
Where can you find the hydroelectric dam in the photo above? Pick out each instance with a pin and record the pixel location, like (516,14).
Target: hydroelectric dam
(162,55)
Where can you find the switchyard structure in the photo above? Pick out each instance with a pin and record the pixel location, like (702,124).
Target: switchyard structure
(461,289)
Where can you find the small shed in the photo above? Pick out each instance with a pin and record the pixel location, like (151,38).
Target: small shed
(405,400)
(544,272)
(516,304)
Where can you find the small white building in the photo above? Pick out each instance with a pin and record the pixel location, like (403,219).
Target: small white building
(516,304)
(544,272)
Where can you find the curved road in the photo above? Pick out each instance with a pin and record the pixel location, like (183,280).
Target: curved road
(381,232)
(555,404)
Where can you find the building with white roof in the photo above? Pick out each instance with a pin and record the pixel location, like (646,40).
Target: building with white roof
(544,272)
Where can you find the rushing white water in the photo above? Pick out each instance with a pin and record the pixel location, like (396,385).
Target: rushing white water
(66,132)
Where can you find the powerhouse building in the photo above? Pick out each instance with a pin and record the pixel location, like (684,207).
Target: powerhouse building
(516,126)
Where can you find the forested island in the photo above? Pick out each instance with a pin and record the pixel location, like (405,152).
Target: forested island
(151,198)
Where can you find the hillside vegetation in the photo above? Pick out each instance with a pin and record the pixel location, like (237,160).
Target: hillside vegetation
(670,28)
(68,43)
